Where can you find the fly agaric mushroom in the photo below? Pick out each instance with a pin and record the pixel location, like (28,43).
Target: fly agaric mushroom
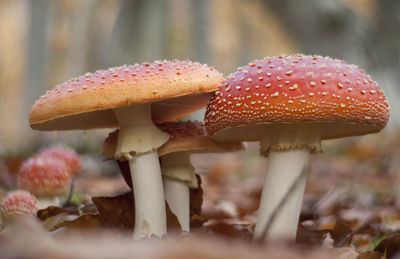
(70,157)
(187,138)
(290,103)
(46,177)
(18,203)
(131,98)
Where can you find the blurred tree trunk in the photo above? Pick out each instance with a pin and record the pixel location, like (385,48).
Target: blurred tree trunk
(38,50)
(200,37)
(77,58)
(383,51)
(153,30)
(200,44)
(325,27)
(245,54)
(139,32)
(385,36)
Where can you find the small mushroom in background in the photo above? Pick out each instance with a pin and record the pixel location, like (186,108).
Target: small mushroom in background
(290,103)
(46,177)
(187,138)
(131,98)
(71,158)
(18,203)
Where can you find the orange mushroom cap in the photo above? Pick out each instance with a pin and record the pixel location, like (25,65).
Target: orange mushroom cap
(297,89)
(175,88)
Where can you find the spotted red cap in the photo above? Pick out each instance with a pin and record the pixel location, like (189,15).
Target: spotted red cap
(45,176)
(19,203)
(340,98)
(185,136)
(176,89)
(70,157)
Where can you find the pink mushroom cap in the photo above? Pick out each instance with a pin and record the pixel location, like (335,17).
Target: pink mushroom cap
(19,203)
(70,157)
(45,176)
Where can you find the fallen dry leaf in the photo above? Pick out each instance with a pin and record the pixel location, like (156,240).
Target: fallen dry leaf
(52,211)
(119,212)
(242,232)
(197,221)
(370,255)
(341,234)
(52,223)
(196,198)
(55,217)
(345,253)
(307,235)
(84,222)
(125,171)
(390,246)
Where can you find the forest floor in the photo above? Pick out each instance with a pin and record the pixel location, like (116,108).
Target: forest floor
(351,209)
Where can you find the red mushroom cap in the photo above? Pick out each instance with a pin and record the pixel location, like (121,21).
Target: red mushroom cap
(19,203)
(70,157)
(341,98)
(45,176)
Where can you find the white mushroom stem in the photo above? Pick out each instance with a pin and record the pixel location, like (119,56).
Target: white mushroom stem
(287,158)
(44,203)
(178,198)
(284,167)
(138,141)
(150,217)
(178,177)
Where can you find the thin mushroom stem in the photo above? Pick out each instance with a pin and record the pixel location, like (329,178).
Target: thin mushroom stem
(283,170)
(138,141)
(71,192)
(178,177)
(274,214)
(150,216)
(178,198)
(289,149)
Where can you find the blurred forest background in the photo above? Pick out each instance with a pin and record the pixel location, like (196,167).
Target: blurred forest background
(46,42)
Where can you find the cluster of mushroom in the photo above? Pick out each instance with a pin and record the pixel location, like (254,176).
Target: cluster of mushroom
(288,103)
(42,180)
(178,175)
(132,98)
